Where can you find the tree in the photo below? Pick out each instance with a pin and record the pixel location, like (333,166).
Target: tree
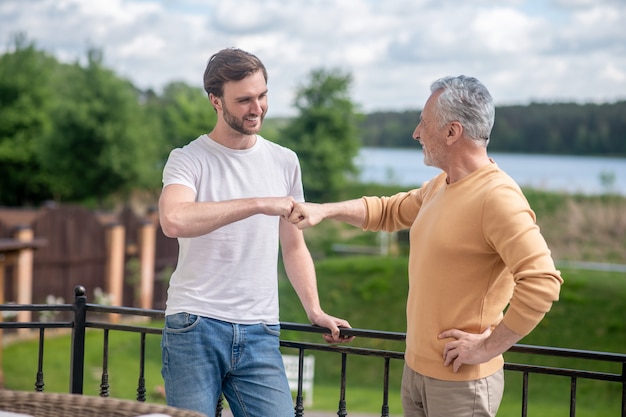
(185,113)
(324,134)
(102,141)
(26,97)
(390,129)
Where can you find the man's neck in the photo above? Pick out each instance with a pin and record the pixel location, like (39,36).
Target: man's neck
(232,139)
(465,164)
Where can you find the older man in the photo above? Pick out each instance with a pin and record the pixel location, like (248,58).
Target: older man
(474,250)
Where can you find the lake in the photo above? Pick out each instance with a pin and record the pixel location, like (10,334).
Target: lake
(571,174)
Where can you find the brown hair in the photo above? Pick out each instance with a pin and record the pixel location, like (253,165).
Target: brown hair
(230,64)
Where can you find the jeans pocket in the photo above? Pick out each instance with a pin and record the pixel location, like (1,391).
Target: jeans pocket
(181,322)
(272,329)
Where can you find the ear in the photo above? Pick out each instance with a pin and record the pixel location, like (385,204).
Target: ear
(216,102)
(454,133)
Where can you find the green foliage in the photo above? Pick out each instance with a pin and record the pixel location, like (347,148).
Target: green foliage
(185,113)
(71,132)
(324,134)
(593,301)
(272,128)
(26,98)
(390,129)
(557,128)
(544,203)
(588,316)
(587,129)
(348,284)
(357,190)
(100,143)
(82,134)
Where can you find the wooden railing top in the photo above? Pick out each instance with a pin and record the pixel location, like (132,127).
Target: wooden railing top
(8,245)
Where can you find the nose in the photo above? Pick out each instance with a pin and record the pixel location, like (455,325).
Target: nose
(416,132)
(257,106)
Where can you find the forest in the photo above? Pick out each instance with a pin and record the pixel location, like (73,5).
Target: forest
(549,128)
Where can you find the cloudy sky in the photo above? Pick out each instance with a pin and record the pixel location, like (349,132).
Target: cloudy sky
(523,50)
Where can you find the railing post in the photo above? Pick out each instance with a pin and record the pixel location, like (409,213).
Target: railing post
(342,412)
(299,409)
(384,411)
(24,274)
(114,286)
(147,253)
(77,364)
(525,394)
(623,389)
(572,397)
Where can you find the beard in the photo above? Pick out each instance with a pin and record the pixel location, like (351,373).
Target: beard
(426,154)
(427,161)
(237,124)
(433,156)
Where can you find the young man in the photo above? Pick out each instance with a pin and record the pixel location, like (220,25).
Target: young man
(474,249)
(226,196)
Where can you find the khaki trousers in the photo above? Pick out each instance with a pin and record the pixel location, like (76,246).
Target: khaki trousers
(428,397)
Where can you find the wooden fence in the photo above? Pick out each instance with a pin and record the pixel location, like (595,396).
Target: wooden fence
(124,254)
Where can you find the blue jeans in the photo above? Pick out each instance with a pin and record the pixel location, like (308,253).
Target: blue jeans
(203,358)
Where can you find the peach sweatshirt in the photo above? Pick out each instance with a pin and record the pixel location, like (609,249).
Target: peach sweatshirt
(475,248)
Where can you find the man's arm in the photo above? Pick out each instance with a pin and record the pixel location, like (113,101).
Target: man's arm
(309,214)
(473,349)
(301,273)
(181,216)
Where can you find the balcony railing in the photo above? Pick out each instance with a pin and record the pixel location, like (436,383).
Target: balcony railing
(81,317)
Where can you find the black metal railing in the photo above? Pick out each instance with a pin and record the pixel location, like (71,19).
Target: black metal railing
(80,317)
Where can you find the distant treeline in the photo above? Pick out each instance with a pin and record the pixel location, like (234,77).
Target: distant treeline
(559,128)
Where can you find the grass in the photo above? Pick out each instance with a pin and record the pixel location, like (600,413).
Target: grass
(20,365)
(370,292)
(589,316)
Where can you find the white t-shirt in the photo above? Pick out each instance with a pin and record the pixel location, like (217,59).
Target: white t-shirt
(231,273)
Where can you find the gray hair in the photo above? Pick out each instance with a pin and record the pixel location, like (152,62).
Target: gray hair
(466,100)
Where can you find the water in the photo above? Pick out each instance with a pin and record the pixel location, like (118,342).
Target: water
(571,174)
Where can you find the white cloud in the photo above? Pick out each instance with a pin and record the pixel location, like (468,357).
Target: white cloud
(506,31)
(613,74)
(522,49)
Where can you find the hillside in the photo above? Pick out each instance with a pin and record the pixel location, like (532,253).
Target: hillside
(576,227)
(370,292)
